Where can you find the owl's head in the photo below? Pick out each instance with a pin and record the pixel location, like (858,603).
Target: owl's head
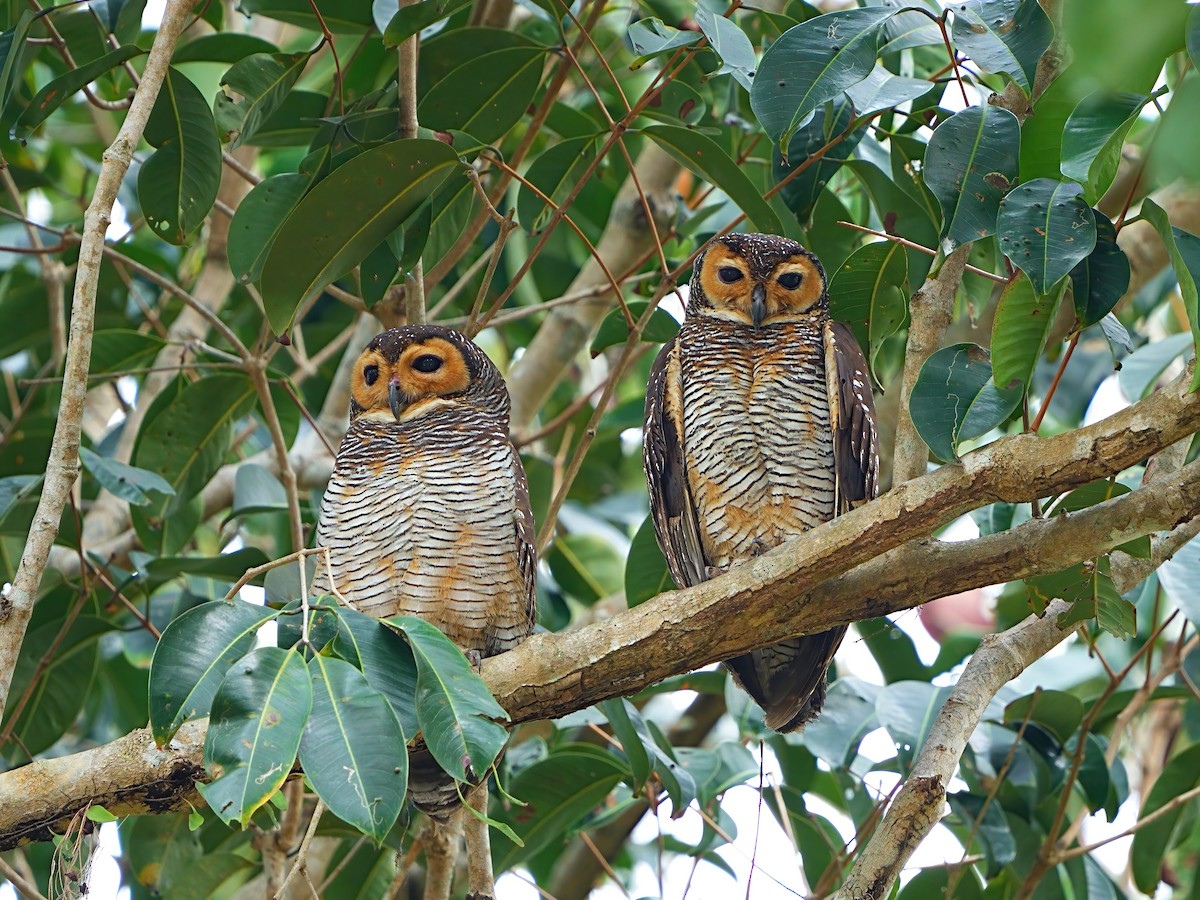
(408,372)
(757,280)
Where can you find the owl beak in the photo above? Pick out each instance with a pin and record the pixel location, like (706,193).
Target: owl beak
(758,304)
(396,398)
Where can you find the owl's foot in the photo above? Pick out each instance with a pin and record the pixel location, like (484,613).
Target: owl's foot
(475,658)
(757,547)
(711,572)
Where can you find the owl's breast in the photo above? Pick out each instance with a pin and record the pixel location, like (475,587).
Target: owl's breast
(757,438)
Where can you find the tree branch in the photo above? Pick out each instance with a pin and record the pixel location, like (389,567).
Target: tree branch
(62,468)
(837,573)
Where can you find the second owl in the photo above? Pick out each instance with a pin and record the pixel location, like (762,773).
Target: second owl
(760,425)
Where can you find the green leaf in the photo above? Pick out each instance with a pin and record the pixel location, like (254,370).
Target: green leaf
(650,37)
(1179,576)
(212,875)
(187,442)
(1046,227)
(1151,842)
(411,19)
(12,48)
(123,481)
(907,710)
(159,849)
(803,191)
(613,330)
(812,64)
(902,213)
(883,90)
(1141,370)
(254,731)
(1093,136)
(1023,320)
(970,164)
(255,87)
(1183,249)
(729,43)
(1088,586)
(706,158)
(486,95)
(100,814)
(122,349)
(459,717)
(344,217)
(622,716)
(555,173)
(558,792)
(192,657)
(1057,711)
(893,650)
(338,16)
(1100,491)
(646,573)
(586,567)
(353,749)
(1007,36)
(870,293)
(226,47)
(177,185)
(992,829)
(955,399)
(1102,278)
(256,490)
(384,658)
(258,219)
(61,89)
(848,715)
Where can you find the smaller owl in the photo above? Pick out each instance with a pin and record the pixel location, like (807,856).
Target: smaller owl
(760,425)
(427,512)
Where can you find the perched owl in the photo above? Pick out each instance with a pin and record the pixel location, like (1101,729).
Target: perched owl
(427,512)
(760,425)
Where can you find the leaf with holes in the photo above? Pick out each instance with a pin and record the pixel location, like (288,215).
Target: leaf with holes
(192,656)
(812,64)
(730,43)
(1102,277)
(254,731)
(177,185)
(955,399)
(353,749)
(1183,249)
(970,164)
(345,216)
(1023,320)
(254,88)
(459,717)
(650,38)
(1046,227)
(1007,36)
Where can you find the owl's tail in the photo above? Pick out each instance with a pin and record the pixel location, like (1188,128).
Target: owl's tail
(788,680)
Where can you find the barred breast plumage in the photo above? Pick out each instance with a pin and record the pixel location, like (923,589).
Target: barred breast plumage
(759,426)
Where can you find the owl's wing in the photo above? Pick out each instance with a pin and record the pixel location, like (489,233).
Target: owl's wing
(526,539)
(671,503)
(852,418)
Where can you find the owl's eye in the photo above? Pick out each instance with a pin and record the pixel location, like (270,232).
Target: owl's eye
(427,363)
(371,375)
(791,280)
(729,274)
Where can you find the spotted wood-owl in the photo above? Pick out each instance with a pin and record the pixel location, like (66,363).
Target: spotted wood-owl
(760,424)
(427,512)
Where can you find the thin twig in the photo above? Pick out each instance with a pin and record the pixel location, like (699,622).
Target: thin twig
(912,245)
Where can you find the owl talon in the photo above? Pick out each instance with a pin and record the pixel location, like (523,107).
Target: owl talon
(711,572)
(757,547)
(475,658)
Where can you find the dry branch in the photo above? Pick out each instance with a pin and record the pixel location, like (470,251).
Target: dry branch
(62,468)
(839,572)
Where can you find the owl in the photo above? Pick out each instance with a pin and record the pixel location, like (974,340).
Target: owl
(760,424)
(427,512)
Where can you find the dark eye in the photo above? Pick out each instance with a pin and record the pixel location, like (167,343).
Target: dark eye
(427,363)
(729,274)
(371,375)
(791,280)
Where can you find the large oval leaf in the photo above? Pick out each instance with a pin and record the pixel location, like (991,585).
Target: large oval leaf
(813,63)
(705,157)
(258,219)
(353,749)
(255,88)
(126,482)
(254,731)
(345,217)
(1100,280)
(384,658)
(870,293)
(177,185)
(555,173)
(1093,135)
(459,717)
(486,95)
(1046,228)
(970,164)
(192,657)
(1183,249)
(646,573)
(1006,36)
(955,399)
(1023,319)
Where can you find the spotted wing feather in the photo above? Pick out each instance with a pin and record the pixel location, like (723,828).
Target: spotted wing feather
(852,417)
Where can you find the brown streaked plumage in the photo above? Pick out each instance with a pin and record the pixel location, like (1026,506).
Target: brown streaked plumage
(760,425)
(427,512)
